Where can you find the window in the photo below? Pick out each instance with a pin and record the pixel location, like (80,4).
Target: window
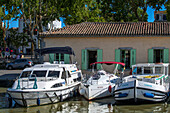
(59,57)
(157,16)
(65,58)
(63,75)
(125,58)
(89,56)
(166,70)
(148,70)
(157,55)
(164,17)
(139,70)
(54,74)
(25,74)
(57,85)
(126,55)
(41,73)
(158,70)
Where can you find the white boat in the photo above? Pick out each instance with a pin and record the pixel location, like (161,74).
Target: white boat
(101,84)
(45,83)
(148,83)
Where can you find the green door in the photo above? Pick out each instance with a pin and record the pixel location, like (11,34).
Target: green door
(84,59)
(117,56)
(132,57)
(99,58)
(66,59)
(166,55)
(150,56)
(51,58)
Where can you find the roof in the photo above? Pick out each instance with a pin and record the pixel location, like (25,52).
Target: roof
(111,29)
(150,64)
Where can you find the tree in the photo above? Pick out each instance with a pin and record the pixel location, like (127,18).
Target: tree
(167,5)
(7,13)
(17,39)
(143,4)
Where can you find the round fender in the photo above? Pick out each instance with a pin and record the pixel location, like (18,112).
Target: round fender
(61,98)
(110,88)
(82,91)
(38,101)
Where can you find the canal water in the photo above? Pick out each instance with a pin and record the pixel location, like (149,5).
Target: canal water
(80,105)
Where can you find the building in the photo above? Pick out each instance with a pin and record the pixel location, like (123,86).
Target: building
(131,43)
(160,16)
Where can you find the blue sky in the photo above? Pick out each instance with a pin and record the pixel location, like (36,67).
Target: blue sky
(150,12)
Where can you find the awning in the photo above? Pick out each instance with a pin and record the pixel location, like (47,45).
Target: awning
(108,63)
(62,50)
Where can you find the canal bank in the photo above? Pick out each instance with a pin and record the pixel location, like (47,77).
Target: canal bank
(7,77)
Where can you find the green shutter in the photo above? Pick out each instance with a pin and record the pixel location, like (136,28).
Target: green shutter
(84,59)
(150,56)
(132,57)
(117,56)
(66,58)
(99,57)
(51,58)
(166,55)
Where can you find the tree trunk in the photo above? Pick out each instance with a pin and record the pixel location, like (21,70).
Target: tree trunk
(4,34)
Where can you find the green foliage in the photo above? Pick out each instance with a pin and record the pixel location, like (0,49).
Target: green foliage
(167,5)
(17,39)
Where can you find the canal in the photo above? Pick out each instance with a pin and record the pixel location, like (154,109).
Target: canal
(79,104)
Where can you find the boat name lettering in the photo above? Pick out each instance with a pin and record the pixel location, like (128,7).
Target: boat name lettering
(148,85)
(99,87)
(125,84)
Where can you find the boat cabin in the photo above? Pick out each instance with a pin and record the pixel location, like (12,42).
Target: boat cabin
(64,74)
(150,69)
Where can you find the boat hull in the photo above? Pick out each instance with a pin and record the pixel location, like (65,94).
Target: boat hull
(34,97)
(96,91)
(140,92)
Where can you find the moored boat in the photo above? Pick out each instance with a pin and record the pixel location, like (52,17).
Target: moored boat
(46,83)
(100,84)
(147,84)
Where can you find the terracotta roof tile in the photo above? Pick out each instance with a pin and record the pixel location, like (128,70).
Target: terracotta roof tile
(112,29)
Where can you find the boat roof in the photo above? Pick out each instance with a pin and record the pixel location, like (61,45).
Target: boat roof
(62,50)
(108,63)
(150,64)
(47,66)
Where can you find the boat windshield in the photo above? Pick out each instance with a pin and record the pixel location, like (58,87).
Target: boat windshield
(25,74)
(54,74)
(158,70)
(39,73)
(148,70)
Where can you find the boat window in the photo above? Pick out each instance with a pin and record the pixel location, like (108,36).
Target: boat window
(25,74)
(54,74)
(57,85)
(63,75)
(148,70)
(41,73)
(139,70)
(158,70)
(79,76)
(96,77)
(113,81)
(166,70)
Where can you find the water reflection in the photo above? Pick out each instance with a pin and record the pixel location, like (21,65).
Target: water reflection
(79,104)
